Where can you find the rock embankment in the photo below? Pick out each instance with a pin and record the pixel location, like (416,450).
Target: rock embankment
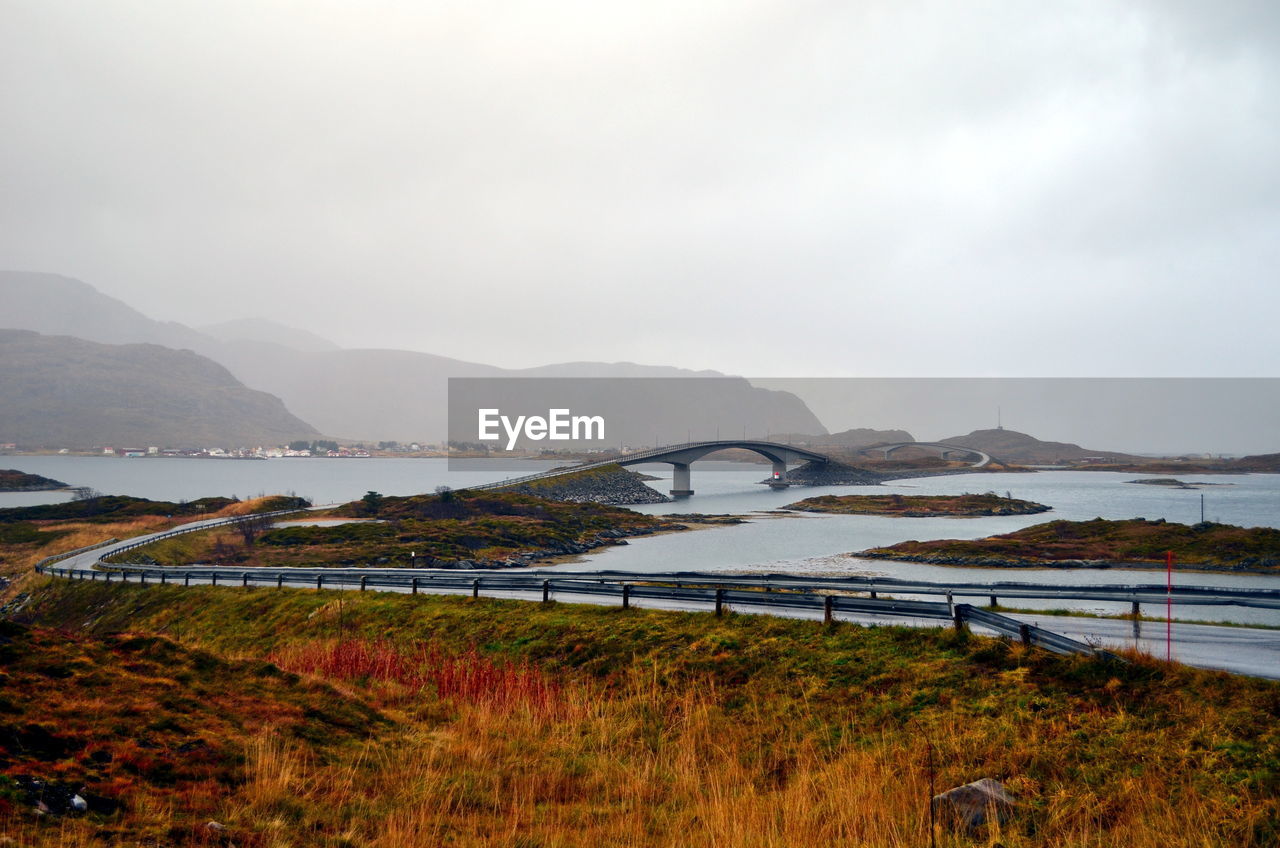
(833,474)
(611,484)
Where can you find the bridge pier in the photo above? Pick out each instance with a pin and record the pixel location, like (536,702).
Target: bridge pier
(778,479)
(680,480)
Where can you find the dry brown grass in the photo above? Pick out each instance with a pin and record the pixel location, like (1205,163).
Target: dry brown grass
(594,776)
(686,730)
(16,560)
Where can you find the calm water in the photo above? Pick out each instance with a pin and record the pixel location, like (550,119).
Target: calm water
(322,480)
(793,543)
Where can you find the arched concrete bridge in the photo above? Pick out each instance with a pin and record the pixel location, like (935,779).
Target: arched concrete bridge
(942,449)
(680,457)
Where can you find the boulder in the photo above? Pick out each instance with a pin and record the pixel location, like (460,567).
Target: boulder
(975,804)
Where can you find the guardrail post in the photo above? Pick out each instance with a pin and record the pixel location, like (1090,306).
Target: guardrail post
(244,579)
(873,592)
(626,596)
(164,578)
(951,604)
(213,578)
(413,586)
(546,591)
(319,582)
(957,615)
(719,601)
(280,581)
(994,602)
(186,578)
(1024,634)
(828,609)
(93,577)
(1137,609)
(475,588)
(108,574)
(363,582)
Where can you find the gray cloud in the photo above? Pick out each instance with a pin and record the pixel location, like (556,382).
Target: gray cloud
(763,188)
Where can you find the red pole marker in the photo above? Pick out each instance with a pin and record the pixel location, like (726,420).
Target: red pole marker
(1168,606)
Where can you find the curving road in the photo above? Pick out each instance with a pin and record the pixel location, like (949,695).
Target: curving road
(1243,650)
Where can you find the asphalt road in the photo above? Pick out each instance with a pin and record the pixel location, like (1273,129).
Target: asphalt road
(1242,650)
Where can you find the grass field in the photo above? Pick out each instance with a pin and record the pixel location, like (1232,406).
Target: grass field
(490,722)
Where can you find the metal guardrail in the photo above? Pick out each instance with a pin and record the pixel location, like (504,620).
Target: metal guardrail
(701,595)
(49,560)
(1124,593)
(183,530)
(769,590)
(1028,634)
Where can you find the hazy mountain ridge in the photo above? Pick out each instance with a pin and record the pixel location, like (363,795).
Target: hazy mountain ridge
(369,394)
(856,437)
(61,391)
(270,332)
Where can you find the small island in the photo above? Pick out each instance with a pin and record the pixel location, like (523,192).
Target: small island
(12,480)
(1101,543)
(449,529)
(918,506)
(1174,483)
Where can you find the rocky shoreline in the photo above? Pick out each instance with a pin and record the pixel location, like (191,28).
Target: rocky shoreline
(917,506)
(614,486)
(1249,565)
(12,480)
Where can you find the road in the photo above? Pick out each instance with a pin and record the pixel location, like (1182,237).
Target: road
(1243,650)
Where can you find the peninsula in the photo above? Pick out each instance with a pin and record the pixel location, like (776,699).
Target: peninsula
(1131,543)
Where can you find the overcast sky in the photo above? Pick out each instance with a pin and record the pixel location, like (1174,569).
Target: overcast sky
(792,189)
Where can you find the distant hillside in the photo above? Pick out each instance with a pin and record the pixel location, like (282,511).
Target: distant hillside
(859,437)
(1012,446)
(270,332)
(61,306)
(377,394)
(65,392)
(1267,463)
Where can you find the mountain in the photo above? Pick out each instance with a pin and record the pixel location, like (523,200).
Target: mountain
(383,394)
(260,330)
(858,437)
(65,392)
(61,306)
(1012,446)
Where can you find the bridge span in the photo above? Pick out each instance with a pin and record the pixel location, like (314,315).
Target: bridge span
(944,450)
(680,457)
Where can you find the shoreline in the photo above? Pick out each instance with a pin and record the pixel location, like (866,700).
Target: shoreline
(1066,564)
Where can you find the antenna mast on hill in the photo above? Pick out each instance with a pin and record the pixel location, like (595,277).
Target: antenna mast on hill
(999,418)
